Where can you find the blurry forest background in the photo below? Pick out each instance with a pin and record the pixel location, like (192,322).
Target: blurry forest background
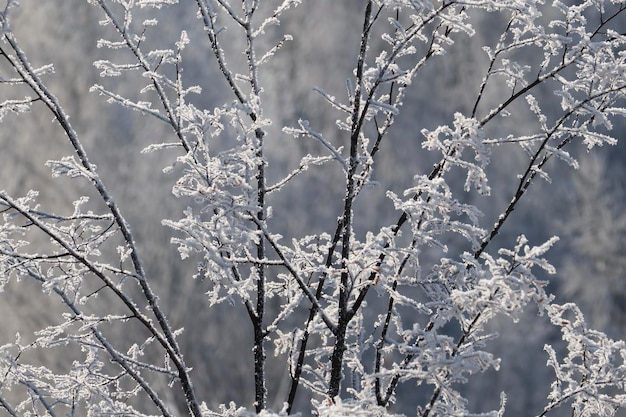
(585,207)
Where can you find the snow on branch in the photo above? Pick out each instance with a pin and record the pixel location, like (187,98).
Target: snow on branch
(372,303)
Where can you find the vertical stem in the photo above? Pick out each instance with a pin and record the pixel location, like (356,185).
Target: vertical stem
(260,389)
(258,317)
(259,333)
(344,292)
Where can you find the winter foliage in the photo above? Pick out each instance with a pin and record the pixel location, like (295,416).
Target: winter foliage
(353,312)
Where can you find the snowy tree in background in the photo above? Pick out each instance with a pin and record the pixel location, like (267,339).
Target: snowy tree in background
(353,314)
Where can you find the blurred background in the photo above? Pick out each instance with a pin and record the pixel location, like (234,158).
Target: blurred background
(585,207)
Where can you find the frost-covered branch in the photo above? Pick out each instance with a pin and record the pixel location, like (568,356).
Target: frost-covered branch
(383,291)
